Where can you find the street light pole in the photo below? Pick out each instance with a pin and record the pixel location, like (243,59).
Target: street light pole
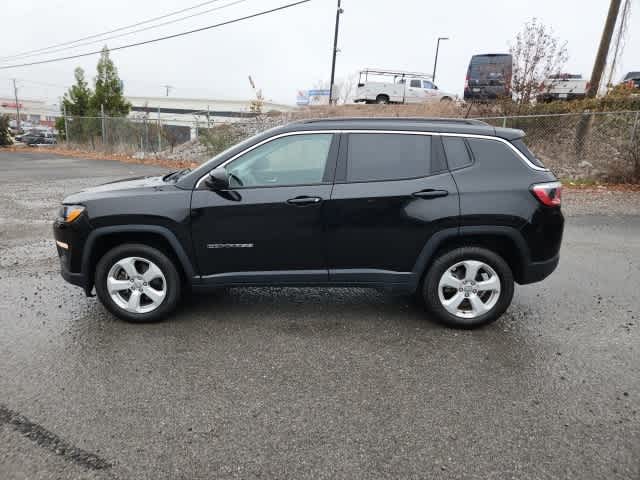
(339,11)
(435,63)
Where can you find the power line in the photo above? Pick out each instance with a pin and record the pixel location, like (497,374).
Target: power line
(111,31)
(153,40)
(128,33)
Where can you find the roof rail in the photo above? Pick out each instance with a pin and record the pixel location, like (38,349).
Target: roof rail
(460,121)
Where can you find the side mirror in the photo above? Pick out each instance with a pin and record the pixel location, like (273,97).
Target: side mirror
(217,179)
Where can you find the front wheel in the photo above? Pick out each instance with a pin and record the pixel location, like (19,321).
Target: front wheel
(468,287)
(137,283)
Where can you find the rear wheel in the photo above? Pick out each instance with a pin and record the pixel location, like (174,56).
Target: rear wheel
(468,287)
(137,283)
(382,99)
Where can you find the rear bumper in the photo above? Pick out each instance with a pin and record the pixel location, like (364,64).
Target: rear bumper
(538,271)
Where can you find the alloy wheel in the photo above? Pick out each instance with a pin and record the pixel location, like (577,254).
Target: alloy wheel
(136,285)
(469,289)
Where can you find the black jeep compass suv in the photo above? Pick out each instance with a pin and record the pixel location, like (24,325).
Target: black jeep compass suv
(453,210)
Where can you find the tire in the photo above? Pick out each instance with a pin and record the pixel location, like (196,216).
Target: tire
(382,99)
(162,283)
(438,290)
(446,99)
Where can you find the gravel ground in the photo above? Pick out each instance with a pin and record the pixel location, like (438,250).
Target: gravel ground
(600,201)
(303,383)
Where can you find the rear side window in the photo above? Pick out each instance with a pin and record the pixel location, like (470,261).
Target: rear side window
(389,156)
(455,148)
(522,147)
(415,83)
(493,153)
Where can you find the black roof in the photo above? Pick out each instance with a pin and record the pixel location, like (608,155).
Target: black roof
(422,124)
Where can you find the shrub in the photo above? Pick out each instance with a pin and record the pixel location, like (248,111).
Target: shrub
(5,138)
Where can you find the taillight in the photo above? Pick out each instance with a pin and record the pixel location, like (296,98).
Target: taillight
(549,194)
(466,82)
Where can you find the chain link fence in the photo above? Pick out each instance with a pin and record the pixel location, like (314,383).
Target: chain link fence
(583,145)
(599,145)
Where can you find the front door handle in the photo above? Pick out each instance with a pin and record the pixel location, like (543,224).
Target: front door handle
(430,193)
(304,200)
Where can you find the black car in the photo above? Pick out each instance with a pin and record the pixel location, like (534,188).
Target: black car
(453,210)
(488,77)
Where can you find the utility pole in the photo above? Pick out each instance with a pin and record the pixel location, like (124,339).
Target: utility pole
(167,88)
(15,93)
(339,11)
(435,62)
(603,49)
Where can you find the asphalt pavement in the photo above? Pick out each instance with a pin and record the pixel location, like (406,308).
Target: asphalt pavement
(318,384)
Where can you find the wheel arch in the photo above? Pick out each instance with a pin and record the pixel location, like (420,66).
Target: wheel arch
(103,239)
(505,241)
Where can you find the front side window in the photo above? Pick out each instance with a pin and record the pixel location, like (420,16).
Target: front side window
(388,156)
(428,84)
(290,160)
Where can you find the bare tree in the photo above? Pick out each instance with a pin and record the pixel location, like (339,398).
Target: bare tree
(347,88)
(537,54)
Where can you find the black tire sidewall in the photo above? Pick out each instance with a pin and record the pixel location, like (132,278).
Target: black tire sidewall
(448,259)
(163,262)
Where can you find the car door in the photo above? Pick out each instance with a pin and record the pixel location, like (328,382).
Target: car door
(392,193)
(269,224)
(431,92)
(414,91)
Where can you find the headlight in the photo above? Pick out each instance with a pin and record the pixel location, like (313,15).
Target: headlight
(68,213)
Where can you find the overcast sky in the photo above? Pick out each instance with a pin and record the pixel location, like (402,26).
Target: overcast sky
(291,49)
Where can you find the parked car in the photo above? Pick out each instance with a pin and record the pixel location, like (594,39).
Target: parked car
(38,137)
(455,211)
(632,79)
(563,86)
(398,87)
(488,77)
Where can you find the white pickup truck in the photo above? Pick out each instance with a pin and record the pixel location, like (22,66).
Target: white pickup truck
(398,87)
(563,86)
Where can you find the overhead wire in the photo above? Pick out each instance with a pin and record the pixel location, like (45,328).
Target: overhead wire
(158,39)
(119,29)
(134,31)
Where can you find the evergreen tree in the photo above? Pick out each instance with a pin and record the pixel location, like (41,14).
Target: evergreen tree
(108,88)
(77,100)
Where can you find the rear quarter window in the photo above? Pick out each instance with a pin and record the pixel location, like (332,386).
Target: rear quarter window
(494,154)
(522,148)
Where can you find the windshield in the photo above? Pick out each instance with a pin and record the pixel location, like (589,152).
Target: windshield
(206,166)
(492,69)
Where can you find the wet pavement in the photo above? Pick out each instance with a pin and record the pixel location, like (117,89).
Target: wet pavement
(302,383)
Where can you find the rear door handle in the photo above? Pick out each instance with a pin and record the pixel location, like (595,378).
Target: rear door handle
(304,200)
(430,193)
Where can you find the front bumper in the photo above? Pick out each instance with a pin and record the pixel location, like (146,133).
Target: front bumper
(70,240)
